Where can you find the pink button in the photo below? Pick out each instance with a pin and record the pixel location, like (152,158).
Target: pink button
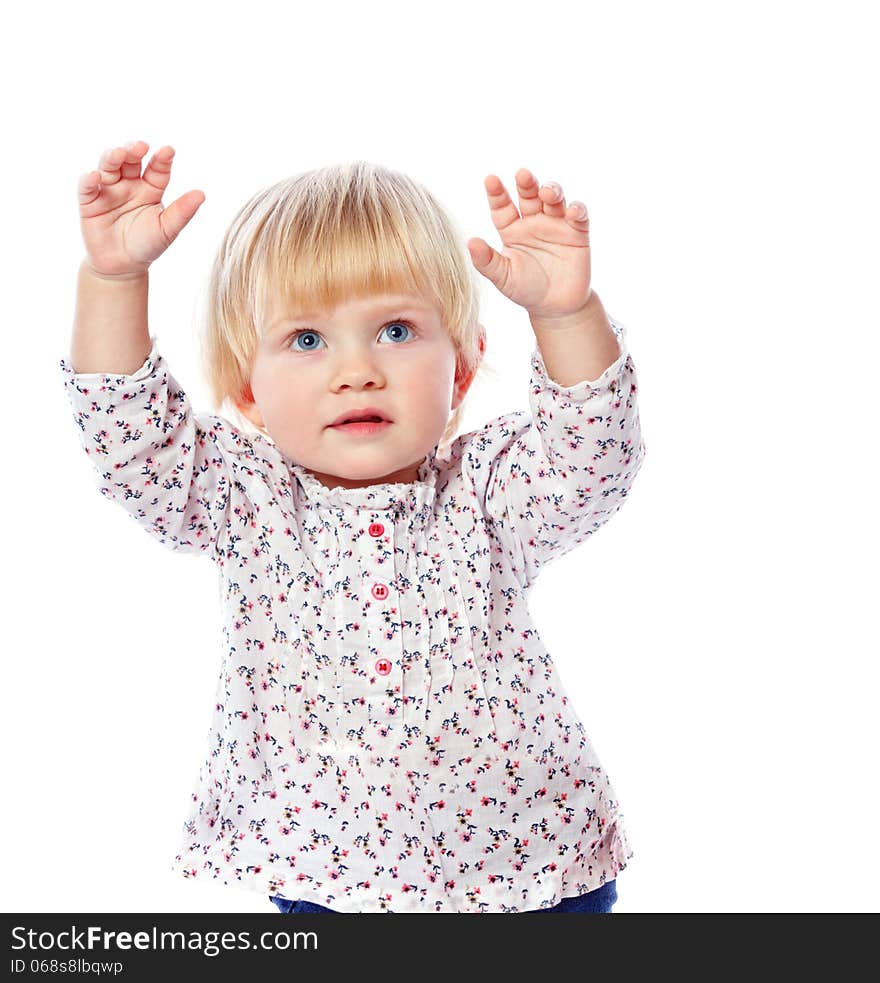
(380,591)
(376,529)
(383,667)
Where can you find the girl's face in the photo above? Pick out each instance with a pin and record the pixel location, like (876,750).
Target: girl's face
(390,353)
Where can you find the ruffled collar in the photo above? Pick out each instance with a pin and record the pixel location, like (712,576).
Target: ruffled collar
(403,497)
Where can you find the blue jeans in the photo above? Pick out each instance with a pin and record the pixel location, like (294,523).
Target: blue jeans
(598,902)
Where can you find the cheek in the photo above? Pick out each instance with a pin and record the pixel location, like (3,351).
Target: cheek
(431,381)
(278,395)
(261,378)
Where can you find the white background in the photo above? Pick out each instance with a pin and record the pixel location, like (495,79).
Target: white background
(715,636)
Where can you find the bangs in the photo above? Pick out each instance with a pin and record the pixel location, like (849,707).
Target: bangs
(321,250)
(300,277)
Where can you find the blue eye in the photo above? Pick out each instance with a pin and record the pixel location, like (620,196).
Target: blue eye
(398,324)
(312,347)
(301,334)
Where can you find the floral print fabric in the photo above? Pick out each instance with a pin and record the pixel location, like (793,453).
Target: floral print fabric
(389,731)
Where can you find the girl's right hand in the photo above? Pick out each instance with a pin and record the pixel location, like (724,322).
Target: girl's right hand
(124,225)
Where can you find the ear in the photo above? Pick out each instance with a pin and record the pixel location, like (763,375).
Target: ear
(462,381)
(247,406)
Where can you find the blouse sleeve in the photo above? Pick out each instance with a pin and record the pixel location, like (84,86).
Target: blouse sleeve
(165,465)
(548,481)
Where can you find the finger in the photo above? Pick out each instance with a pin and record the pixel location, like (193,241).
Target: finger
(553,199)
(111,164)
(489,261)
(527,188)
(579,218)
(178,213)
(502,209)
(131,163)
(88,187)
(158,171)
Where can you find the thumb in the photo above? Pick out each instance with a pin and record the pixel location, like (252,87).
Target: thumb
(179,212)
(488,261)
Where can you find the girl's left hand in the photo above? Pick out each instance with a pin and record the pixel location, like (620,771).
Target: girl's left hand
(545,263)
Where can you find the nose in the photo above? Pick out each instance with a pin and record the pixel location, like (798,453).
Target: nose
(356,367)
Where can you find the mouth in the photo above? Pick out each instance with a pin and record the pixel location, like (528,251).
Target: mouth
(365,414)
(366,426)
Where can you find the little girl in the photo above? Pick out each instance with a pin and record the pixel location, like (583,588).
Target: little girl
(390,734)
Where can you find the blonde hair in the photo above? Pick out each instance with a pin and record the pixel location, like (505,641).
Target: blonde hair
(323,237)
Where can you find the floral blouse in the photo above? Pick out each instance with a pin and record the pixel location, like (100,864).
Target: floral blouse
(389,731)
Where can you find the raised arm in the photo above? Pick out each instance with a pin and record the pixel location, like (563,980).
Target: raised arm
(550,481)
(165,466)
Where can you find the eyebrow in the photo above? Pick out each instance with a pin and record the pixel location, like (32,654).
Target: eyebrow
(402,306)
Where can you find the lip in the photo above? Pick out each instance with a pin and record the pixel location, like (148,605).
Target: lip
(362,427)
(360,411)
